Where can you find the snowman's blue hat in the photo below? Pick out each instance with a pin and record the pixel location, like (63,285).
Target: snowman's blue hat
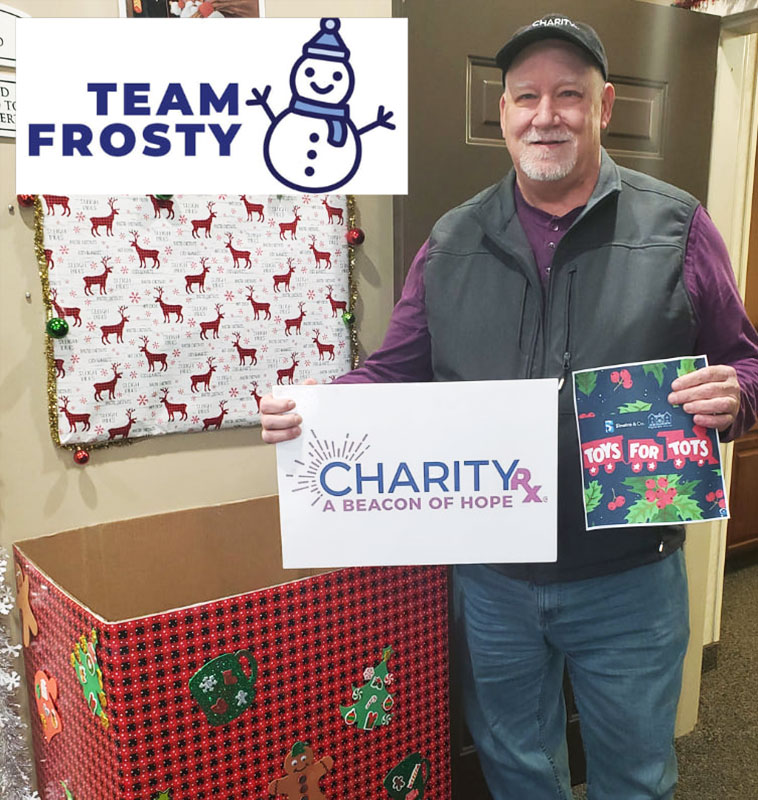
(327,43)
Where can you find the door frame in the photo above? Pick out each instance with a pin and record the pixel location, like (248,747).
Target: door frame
(730,192)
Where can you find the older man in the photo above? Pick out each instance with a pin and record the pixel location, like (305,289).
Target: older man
(571,262)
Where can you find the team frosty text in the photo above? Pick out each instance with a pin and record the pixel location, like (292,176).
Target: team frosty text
(153,139)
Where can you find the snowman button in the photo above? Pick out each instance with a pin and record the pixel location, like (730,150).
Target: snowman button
(312,154)
(313,137)
(309,171)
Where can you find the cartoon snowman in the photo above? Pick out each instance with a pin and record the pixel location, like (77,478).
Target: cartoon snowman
(313,145)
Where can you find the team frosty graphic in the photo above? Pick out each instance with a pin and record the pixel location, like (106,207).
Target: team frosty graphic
(313,145)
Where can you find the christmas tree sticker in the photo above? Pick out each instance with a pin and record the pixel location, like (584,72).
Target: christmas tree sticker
(84,662)
(372,702)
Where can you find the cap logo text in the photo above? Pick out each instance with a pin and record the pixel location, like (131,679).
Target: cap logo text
(555,21)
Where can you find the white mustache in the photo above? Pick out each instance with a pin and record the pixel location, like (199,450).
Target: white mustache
(532,137)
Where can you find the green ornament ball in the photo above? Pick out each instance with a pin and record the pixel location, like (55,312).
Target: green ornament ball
(56,327)
(348,317)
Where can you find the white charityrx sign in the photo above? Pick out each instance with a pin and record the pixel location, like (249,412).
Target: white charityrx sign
(429,473)
(283,105)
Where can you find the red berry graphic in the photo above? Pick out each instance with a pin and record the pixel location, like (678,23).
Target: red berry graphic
(661,503)
(663,482)
(620,500)
(710,497)
(615,377)
(611,506)
(722,503)
(649,495)
(650,483)
(625,376)
(719,493)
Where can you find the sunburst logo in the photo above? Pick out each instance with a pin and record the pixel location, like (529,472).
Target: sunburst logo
(320,453)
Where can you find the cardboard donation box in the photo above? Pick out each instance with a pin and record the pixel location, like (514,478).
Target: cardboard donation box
(172,657)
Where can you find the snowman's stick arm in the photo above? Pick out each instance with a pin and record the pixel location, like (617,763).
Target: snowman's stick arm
(382,120)
(261,99)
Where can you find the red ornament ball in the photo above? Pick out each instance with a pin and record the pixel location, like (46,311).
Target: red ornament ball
(81,457)
(355,236)
(25,200)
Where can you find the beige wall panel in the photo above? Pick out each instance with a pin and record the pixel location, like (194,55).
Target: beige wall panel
(41,489)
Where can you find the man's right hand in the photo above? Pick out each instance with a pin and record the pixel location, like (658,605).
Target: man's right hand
(279,422)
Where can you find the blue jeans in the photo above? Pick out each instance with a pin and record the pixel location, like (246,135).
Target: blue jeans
(623,639)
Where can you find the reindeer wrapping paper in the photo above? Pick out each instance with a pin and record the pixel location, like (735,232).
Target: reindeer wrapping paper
(183,312)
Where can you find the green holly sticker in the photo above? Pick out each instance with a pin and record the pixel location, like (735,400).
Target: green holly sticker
(84,662)
(372,702)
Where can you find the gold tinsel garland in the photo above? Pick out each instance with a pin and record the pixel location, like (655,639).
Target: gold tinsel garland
(52,383)
(352,284)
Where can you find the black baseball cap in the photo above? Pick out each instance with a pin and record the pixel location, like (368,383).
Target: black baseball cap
(554,26)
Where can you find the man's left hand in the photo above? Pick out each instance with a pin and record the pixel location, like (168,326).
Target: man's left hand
(711,394)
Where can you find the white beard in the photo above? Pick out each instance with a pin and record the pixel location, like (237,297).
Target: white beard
(541,166)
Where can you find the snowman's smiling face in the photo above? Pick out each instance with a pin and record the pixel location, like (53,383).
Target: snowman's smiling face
(323,80)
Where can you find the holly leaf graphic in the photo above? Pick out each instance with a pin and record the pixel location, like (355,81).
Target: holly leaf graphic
(586,382)
(656,370)
(593,494)
(716,472)
(637,485)
(640,512)
(637,405)
(685,365)
(687,507)
(668,513)
(687,488)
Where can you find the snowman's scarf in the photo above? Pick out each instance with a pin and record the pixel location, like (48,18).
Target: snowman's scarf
(334,116)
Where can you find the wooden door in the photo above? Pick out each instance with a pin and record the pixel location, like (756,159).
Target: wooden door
(663,64)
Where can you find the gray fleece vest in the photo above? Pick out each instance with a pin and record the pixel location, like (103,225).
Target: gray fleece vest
(616,294)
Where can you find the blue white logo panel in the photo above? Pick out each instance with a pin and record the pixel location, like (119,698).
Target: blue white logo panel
(285,105)
(369,483)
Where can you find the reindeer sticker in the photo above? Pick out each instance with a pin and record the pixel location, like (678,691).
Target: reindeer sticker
(320,255)
(108,386)
(212,325)
(237,255)
(244,352)
(143,253)
(253,208)
(168,309)
(117,328)
(296,322)
(98,280)
(104,222)
(160,203)
(204,378)
(173,408)
(284,278)
(204,224)
(258,307)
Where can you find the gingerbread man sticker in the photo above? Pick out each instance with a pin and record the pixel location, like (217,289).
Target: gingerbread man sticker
(303,774)
(28,622)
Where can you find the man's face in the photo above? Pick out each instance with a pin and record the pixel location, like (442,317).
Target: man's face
(552,112)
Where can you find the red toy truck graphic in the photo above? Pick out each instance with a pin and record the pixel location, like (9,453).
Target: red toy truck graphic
(676,448)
